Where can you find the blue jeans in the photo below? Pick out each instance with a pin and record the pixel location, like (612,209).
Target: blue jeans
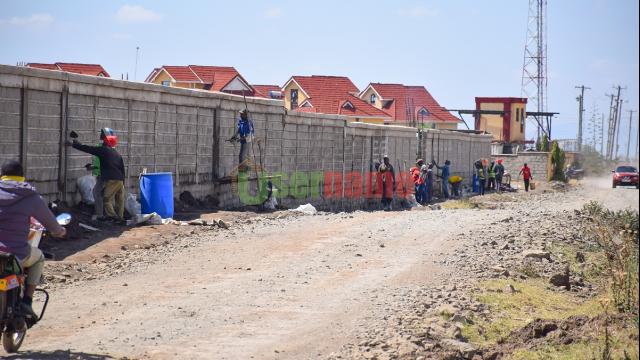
(421,193)
(445,188)
(243,151)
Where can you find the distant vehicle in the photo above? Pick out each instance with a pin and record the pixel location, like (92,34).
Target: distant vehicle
(625,176)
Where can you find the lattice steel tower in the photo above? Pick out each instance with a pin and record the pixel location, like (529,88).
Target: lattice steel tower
(534,68)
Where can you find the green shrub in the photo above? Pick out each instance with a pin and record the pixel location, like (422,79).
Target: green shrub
(557,161)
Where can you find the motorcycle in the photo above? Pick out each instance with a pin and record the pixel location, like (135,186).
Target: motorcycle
(574,173)
(13,322)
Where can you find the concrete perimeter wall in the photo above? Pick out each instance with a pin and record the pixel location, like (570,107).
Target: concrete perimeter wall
(183,131)
(539,162)
(461,149)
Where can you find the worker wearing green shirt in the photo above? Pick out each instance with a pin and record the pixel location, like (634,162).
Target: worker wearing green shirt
(98,188)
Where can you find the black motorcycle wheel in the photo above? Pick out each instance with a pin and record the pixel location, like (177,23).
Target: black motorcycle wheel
(11,340)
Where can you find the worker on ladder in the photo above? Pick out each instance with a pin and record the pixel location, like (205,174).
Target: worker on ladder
(244,134)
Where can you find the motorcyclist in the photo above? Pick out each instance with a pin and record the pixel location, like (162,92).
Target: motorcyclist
(19,201)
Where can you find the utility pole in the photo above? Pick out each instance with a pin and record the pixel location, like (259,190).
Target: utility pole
(607,153)
(580,113)
(614,115)
(594,128)
(629,139)
(135,70)
(602,135)
(637,143)
(618,126)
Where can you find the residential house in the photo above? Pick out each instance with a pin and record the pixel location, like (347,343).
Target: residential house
(214,78)
(409,105)
(509,126)
(268,91)
(84,69)
(330,95)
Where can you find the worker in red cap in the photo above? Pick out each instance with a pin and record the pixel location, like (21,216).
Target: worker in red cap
(111,172)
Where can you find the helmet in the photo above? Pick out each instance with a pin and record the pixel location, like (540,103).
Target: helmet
(104,132)
(110,140)
(108,137)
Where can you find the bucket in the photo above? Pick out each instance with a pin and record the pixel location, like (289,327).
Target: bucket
(156,194)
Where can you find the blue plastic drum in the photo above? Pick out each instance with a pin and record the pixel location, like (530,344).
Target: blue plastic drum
(156,194)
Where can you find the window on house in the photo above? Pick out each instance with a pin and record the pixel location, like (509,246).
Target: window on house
(522,122)
(348,105)
(165,82)
(517,115)
(372,99)
(294,98)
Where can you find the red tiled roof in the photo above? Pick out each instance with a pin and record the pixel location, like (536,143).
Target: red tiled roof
(85,69)
(215,78)
(152,75)
(328,94)
(182,73)
(43,66)
(265,90)
(406,101)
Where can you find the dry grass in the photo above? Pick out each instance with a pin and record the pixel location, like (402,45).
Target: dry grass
(464,203)
(622,344)
(611,263)
(533,300)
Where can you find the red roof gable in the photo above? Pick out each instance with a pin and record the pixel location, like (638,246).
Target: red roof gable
(405,102)
(43,66)
(328,95)
(215,78)
(85,69)
(181,73)
(265,90)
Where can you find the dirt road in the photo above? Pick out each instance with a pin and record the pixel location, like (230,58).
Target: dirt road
(275,288)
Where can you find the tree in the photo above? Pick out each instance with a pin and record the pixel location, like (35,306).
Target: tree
(543,145)
(557,161)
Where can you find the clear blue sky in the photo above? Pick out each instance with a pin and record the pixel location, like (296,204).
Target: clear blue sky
(457,49)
